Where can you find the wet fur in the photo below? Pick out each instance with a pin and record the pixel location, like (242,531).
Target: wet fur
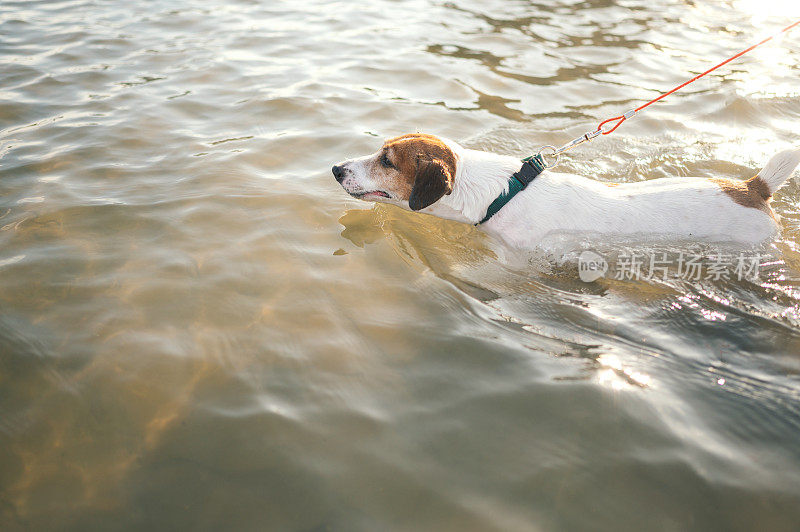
(439,177)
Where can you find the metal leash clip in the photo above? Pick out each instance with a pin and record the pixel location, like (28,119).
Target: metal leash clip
(544,161)
(586,137)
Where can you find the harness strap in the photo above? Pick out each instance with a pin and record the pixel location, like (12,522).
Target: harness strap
(531,167)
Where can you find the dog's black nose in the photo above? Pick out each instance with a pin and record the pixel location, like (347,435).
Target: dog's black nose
(338,173)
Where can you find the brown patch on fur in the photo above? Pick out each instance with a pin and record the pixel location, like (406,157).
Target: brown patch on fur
(407,151)
(753,193)
(611,184)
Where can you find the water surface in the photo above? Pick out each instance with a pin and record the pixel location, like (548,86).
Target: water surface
(198,329)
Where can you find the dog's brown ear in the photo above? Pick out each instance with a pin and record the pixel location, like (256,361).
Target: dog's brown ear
(432,181)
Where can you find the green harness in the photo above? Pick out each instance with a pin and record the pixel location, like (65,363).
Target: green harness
(531,167)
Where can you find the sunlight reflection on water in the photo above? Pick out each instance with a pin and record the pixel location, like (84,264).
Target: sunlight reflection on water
(200,330)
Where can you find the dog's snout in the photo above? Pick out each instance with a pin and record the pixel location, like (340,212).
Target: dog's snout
(338,173)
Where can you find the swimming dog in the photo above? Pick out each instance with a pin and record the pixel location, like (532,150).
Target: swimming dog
(437,176)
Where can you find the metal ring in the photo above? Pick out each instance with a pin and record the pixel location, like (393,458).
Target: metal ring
(555,152)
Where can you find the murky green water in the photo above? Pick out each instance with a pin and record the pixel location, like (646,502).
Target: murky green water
(199,330)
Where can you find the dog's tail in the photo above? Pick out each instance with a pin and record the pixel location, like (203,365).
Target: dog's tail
(779,168)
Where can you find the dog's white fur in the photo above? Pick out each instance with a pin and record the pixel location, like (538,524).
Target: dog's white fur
(555,202)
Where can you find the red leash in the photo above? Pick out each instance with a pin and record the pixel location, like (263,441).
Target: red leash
(682,85)
(620,119)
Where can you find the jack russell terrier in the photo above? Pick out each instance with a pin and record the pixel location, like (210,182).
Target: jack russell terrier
(522,202)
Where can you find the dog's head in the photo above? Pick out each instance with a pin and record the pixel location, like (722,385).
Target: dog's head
(413,171)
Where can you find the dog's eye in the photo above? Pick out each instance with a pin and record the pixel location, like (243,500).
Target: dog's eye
(386,162)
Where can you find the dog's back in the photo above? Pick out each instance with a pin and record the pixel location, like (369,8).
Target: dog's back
(684,207)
